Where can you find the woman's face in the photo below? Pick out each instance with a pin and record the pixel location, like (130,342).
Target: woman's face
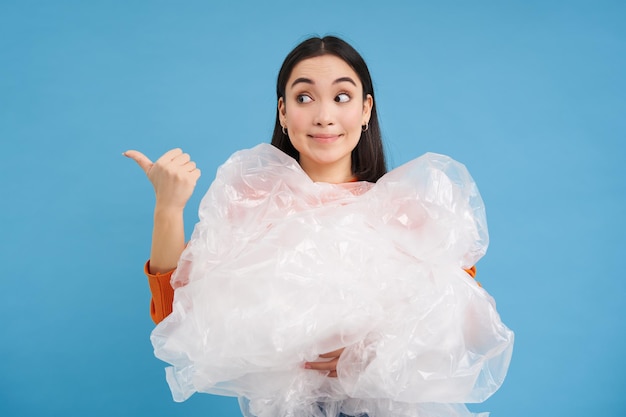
(323,110)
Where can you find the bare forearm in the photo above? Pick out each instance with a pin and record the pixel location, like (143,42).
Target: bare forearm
(168,239)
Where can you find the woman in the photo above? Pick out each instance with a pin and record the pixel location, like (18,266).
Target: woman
(326,121)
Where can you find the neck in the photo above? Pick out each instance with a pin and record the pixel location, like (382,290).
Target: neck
(331,173)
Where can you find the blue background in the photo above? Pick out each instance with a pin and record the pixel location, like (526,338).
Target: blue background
(530,95)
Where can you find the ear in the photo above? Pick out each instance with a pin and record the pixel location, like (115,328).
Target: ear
(368,103)
(282,111)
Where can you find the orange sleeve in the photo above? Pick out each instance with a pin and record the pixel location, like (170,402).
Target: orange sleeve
(472,273)
(162,293)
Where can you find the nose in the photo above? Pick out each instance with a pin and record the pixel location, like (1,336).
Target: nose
(324,115)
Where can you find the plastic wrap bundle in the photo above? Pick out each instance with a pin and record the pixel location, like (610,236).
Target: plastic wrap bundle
(281,269)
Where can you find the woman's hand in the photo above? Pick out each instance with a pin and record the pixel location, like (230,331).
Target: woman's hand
(173,176)
(329,364)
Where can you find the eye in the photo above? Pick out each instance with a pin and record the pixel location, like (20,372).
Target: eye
(303,98)
(342,98)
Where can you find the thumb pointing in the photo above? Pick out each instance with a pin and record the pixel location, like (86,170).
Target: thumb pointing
(142,160)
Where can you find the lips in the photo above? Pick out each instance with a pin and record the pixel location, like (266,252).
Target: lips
(325,137)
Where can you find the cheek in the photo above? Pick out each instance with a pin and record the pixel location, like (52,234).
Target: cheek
(353,119)
(297,118)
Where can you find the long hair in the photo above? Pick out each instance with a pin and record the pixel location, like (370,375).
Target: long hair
(368,157)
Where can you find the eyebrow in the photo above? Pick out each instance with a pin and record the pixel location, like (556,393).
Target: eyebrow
(309,81)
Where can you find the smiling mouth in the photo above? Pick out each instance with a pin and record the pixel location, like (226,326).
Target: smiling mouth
(325,137)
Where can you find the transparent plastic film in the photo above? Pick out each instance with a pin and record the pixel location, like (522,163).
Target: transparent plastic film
(281,269)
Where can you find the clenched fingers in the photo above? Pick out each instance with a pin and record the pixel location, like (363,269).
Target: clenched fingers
(327,364)
(333,354)
(173,176)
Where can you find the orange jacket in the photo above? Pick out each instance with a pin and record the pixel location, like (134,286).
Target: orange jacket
(163,293)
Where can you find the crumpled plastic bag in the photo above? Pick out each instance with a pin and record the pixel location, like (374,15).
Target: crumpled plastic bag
(280,269)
